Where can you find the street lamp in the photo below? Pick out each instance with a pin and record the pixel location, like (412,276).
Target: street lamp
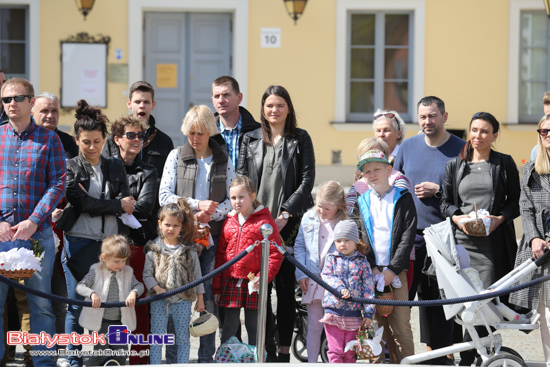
(85,6)
(547,5)
(295,8)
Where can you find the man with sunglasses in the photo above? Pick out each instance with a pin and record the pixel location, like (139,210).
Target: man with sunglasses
(436,146)
(31,185)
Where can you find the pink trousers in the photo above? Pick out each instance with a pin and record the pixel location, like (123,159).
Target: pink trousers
(337,340)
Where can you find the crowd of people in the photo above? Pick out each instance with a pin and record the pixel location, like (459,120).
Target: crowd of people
(122,214)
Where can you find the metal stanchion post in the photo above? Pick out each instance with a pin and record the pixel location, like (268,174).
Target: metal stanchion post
(266,231)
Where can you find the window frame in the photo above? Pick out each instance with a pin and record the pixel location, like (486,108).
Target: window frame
(517,7)
(26,41)
(33,38)
(344,8)
(379,79)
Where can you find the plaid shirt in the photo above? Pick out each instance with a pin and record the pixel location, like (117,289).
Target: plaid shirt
(32,174)
(231,137)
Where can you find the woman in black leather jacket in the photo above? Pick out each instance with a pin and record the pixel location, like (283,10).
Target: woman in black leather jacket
(128,135)
(280,161)
(97,192)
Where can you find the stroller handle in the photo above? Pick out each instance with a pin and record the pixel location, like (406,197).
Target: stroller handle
(543,258)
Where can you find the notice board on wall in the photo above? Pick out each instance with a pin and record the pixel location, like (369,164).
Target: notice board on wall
(84,72)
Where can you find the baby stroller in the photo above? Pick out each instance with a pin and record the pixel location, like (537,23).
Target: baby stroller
(299,341)
(455,282)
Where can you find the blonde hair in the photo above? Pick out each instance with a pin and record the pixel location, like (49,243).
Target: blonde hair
(542,161)
(248,185)
(114,246)
(371,144)
(201,119)
(331,192)
(181,210)
(397,122)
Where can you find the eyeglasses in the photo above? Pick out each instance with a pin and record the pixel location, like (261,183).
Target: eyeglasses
(130,135)
(388,115)
(18,99)
(543,132)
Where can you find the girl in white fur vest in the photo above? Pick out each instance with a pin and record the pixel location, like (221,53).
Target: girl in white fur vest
(110,280)
(172,262)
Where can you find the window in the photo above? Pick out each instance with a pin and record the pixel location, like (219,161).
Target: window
(14,41)
(534,78)
(379,61)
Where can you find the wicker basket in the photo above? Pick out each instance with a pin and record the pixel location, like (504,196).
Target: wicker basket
(17,274)
(385,310)
(204,325)
(365,352)
(476,228)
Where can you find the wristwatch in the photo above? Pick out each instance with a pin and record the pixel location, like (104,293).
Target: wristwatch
(286,215)
(439,193)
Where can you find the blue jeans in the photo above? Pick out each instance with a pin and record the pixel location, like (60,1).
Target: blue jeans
(41,315)
(180,314)
(207,346)
(73,245)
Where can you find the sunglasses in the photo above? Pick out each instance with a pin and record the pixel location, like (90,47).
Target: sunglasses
(130,135)
(388,115)
(18,99)
(543,132)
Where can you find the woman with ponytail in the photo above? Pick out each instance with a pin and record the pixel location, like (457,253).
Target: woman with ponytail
(489,179)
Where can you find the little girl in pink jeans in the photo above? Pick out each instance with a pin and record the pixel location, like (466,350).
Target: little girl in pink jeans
(348,271)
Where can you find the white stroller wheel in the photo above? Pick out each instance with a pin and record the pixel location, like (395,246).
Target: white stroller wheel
(504,360)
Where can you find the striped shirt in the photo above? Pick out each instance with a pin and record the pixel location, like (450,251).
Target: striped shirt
(32,174)
(231,137)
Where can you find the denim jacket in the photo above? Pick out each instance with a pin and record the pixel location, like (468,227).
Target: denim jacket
(354,274)
(306,247)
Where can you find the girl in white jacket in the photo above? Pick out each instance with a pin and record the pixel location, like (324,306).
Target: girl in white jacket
(110,280)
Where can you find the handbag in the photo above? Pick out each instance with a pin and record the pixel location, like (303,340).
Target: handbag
(233,351)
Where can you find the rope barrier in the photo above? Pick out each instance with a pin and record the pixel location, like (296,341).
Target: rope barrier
(428,303)
(289,257)
(139,301)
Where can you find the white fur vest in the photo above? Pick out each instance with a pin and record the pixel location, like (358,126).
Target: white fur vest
(174,269)
(90,318)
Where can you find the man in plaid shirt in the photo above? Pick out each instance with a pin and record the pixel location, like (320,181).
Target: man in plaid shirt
(32,182)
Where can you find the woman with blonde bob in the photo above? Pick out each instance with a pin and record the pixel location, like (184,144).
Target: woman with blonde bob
(534,204)
(200,172)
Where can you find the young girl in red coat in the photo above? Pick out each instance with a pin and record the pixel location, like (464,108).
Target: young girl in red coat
(240,230)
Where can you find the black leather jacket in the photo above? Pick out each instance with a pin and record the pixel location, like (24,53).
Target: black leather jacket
(142,180)
(298,168)
(79,171)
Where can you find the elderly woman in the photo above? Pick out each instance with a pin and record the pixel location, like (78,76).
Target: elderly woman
(489,179)
(128,135)
(200,171)
(534,207)
(280,161)
(97,192)
(389,127)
